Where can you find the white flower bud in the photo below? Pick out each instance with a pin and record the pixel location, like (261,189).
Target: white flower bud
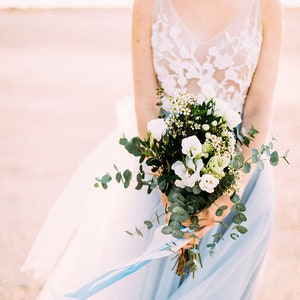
(205,127)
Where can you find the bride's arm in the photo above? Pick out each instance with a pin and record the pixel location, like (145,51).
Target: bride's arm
(145,83)
(258,106)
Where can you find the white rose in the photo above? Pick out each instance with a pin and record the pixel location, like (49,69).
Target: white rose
(217,164)
(208,91)
(208,182)
(232,118)
(191,146)
(157,128)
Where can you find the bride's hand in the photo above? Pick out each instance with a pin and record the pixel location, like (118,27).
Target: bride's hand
(208,219)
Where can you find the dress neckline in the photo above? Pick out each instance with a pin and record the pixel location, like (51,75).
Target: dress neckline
(243,9)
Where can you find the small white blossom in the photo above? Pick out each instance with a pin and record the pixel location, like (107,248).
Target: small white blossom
(157,128)
(205,127)
(208,135)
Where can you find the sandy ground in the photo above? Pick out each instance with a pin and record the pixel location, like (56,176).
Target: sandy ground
(61,72)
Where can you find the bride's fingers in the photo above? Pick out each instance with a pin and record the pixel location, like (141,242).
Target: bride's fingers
(196,236)
(206,216)
(192,241)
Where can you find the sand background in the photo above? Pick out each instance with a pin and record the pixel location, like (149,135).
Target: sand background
(61,73)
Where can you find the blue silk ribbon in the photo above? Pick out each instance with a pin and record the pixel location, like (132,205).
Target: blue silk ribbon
(162,245)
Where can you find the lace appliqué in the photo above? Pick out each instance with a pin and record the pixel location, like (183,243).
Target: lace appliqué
(227,62)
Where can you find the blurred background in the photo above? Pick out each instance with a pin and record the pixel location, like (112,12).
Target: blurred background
(63,67)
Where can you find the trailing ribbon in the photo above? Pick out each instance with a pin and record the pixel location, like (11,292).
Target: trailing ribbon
(162,245)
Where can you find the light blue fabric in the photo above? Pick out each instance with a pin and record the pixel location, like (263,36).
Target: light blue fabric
(232,273)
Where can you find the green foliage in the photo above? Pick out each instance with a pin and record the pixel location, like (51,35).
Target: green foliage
(246,167)
(149,224)
(220,211)
(104,180)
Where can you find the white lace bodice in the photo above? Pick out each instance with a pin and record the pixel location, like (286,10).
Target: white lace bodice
(227,61)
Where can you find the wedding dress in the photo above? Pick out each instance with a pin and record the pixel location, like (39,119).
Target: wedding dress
(84,234)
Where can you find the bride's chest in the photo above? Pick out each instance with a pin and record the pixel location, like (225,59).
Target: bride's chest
(206,20)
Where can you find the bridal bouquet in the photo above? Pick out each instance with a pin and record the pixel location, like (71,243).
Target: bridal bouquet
(192,153)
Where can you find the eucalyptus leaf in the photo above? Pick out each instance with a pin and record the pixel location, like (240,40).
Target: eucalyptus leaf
(194,227)
(246,167)
(234,236)
(241,207)
(128,232)
(239,218)
(196,190)
(175,225)
(255,158)
(127,174)
(106,178)
(235,198)
(104,185)
(149,224)
(139,186)
(274,158)
(181,217)
(118,177)
(220,210)
(157,218)
(241,229)
(166,230)
(138,232)
(178,234)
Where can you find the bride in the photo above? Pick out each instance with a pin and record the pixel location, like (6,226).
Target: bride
(233,46)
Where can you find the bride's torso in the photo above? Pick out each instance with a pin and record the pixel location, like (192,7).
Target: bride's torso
(224,57)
